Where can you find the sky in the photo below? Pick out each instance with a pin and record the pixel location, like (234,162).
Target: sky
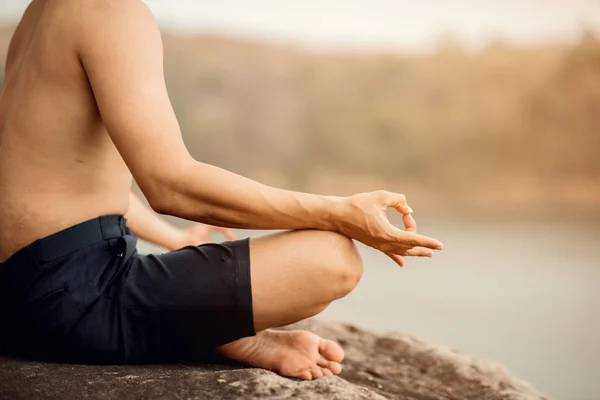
(374,24)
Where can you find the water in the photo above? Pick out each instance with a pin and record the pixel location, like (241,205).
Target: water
(526,295)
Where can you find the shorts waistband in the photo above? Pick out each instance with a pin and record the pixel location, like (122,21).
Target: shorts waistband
(79,236)
(72,239)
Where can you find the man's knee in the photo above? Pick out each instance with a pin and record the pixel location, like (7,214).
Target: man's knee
(344,264)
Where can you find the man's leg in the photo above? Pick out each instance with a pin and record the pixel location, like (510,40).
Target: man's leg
(295,275)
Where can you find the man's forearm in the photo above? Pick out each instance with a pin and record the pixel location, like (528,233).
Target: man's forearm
(147,225)
(209,194)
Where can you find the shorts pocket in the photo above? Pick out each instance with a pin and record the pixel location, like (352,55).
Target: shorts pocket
(44,315)
(46,297)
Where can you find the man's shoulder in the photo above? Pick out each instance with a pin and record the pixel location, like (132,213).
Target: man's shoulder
(112,5)
(108,19)
(116,10)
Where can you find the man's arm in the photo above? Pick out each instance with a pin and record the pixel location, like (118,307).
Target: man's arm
(121,51)
(147,225)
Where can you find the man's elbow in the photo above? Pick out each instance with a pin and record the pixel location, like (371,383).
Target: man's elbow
(165,188)
(162,195)
(159,205)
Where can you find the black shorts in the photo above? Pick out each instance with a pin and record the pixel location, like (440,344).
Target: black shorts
(85,295)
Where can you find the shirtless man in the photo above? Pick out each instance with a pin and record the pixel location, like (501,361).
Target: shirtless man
(83,109)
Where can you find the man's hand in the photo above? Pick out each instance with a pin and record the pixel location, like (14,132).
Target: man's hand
(198,234)
(362,217)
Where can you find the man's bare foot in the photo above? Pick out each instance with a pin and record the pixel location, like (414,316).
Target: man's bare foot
(298,354)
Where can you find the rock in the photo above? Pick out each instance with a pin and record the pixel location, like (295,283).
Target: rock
(376,367)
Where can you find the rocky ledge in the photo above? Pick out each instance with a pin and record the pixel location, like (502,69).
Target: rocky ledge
(376,367)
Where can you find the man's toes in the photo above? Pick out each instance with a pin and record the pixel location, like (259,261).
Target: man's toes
(316,372)
(305,375)
(331,350)
(332,366)
(327,372)
(335,367)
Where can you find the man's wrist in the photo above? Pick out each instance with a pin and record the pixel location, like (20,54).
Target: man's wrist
(176,239)
(334,212)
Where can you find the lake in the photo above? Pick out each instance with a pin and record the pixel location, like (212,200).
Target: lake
(524,294)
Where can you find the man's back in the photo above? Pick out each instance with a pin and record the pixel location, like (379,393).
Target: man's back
(58,166)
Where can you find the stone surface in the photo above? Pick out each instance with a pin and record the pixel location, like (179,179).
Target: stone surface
(376,367)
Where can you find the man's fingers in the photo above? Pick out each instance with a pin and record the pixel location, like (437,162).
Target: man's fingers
(397,259)
(225,231)
(409,223)
(416,252)
(397,201)
(229,234)
(419,252)
(411,239)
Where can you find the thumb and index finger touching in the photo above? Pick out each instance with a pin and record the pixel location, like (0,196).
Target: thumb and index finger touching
(408,237)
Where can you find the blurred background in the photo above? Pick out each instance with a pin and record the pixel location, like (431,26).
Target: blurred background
(485,113)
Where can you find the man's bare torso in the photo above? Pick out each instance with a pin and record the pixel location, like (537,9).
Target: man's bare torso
(58,166)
